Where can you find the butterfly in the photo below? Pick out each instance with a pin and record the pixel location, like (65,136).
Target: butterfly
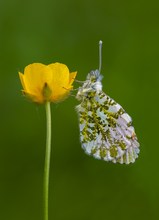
(106,130)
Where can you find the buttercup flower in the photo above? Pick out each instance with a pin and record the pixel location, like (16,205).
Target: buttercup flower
(47,83)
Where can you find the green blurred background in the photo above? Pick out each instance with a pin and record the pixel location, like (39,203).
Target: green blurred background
(68,31)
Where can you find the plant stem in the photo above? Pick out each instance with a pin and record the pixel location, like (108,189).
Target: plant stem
(47,160)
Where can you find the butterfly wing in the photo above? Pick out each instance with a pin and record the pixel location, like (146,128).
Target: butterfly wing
(106,130)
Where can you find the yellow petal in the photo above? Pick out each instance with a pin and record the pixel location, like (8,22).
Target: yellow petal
(60,73)
(60,81)
(34,97)
(35,76)
(22,80)
(72,77)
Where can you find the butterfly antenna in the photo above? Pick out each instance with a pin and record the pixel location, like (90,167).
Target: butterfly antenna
(100,55)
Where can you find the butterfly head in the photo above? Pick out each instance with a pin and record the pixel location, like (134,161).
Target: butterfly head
(91,85)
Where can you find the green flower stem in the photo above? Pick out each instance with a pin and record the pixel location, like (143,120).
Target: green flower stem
(47,160)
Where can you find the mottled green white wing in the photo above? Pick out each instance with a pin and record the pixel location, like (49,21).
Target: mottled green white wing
(106,130)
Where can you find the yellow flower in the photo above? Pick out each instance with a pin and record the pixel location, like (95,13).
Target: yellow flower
(43,83)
